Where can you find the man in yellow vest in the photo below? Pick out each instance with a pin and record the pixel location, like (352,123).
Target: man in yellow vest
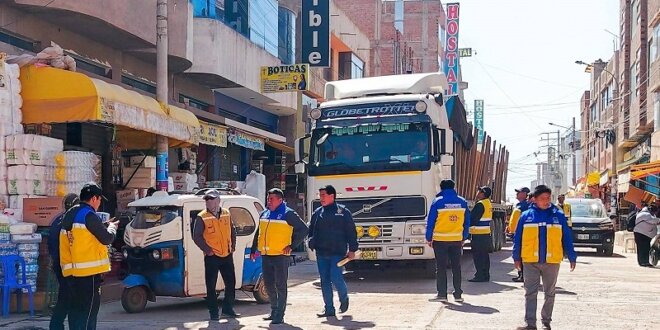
(541,239)
(84,241)
(280,231)
(522,195)
(566,207)
(215,235)
(446,230)
(480,219)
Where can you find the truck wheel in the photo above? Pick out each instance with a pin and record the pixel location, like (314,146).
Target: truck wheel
(134,300)
(261,295)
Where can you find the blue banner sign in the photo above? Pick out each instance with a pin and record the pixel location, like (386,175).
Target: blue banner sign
(316,32)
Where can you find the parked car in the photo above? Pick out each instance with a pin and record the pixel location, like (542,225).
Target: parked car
(592,227)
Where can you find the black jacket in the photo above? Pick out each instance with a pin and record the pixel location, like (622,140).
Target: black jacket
(332,231)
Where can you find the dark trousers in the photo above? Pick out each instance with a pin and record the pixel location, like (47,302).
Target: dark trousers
(444,252)
(480,246)
(85,301)
(276,274)
(63,304)
(643,243)
(225,265)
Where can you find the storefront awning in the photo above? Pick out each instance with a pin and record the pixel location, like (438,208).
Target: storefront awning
(58,96)
(643,170)
(623,181)
(282,147)
(593,178)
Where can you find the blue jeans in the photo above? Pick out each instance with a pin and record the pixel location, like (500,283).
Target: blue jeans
(331,274)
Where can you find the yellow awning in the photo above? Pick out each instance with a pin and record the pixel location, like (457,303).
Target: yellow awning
(280,146)
(58,96)
(593,178)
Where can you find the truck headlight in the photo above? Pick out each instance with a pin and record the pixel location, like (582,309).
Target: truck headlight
(373,231)
(155,254)
(418,229)
(360,231)
(420,106)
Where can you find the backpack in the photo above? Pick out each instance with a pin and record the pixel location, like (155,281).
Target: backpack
(630,226)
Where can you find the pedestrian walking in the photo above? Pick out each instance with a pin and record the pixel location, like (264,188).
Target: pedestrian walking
(84,241)
(63,304)
(646,228)
(541,239)
(447,228)
(333,236)
(522,196)
(566,208)
(280,231)
(480,218)
(215,235)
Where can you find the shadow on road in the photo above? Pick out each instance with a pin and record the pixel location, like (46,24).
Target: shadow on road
(597,255)
(347,322)
(471,309)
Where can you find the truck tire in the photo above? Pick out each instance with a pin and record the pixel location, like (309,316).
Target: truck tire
(493,232)
(500,234)
(134,300)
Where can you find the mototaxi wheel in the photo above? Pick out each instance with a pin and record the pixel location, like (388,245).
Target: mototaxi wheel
(134,299)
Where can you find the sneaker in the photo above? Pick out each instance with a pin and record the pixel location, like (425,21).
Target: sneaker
(343,307)
(277,321)
(215,317)
(478,280)
(458,298)
(441,298)
(231,313)
(546,326)
(269,317)
(527,327)
(518,279)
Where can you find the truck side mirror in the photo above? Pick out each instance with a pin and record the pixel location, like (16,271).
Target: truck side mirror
(436,151)
(299,154)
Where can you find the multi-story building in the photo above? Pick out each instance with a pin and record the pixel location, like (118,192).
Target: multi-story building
(405,35)
(654,74)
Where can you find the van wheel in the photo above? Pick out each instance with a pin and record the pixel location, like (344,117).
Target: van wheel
(134,300)
(261,295)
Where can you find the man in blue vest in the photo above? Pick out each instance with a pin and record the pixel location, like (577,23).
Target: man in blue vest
(541,239)
(446,230)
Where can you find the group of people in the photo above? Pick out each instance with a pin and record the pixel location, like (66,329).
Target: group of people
(541,238)
(331,234)
(645,228)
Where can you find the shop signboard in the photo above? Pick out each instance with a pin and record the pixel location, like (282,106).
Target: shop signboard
(213,135)
(246,141)
(284,78)
(316,32)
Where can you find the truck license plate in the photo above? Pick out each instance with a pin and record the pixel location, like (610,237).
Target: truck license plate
(369,255)
(583,236)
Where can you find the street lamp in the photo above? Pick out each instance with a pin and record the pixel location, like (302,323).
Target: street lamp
(572,128)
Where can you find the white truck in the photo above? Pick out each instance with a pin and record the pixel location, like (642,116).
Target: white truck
(385,143)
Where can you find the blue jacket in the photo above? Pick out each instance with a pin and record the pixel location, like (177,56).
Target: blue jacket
(444,198)
(54,242)
(548,216)
(332,231)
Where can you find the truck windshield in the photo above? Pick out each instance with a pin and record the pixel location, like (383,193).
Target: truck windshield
(150,217)
(367,148)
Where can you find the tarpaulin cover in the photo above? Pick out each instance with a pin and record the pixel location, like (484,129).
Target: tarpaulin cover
(458,121)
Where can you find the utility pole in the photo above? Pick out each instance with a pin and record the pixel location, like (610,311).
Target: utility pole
(573,152)
(162,143)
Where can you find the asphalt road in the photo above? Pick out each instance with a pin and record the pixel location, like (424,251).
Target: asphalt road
(602,293)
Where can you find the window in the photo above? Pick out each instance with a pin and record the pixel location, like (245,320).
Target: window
(633,79)
(189,101)
(259,207)
(242,221)
(635,17)
(286,43)
(654,49)
(20,42)
(139,84)
(263,24)
(153,217)
(357,67)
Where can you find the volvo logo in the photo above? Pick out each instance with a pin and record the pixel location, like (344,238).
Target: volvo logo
(584,228)
(366,208)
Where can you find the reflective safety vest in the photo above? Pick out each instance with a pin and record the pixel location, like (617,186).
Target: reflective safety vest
(81,254)
(449,225)
(531,241)
(483,226)
(567,212)
(275,233)
(217,232)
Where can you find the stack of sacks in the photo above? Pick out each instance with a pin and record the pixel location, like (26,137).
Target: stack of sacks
(27,244)
(71,170)
(27,156)
(10,100)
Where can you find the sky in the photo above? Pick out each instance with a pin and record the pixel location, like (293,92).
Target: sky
(524,68)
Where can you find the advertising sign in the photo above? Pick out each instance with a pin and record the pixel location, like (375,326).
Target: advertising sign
(246,141)
(465,52)
(369,109)
(479,120)
(316,32)
(284,78)
(451,49)
(213,135)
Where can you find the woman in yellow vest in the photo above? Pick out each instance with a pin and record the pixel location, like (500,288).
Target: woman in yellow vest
(566,207)
(541,238)
(215,235)
(480,219)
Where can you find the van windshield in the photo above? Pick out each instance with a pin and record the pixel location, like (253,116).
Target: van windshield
(150,217)
(588,210)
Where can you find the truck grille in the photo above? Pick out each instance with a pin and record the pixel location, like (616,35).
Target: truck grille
(384,208)
(385,235)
